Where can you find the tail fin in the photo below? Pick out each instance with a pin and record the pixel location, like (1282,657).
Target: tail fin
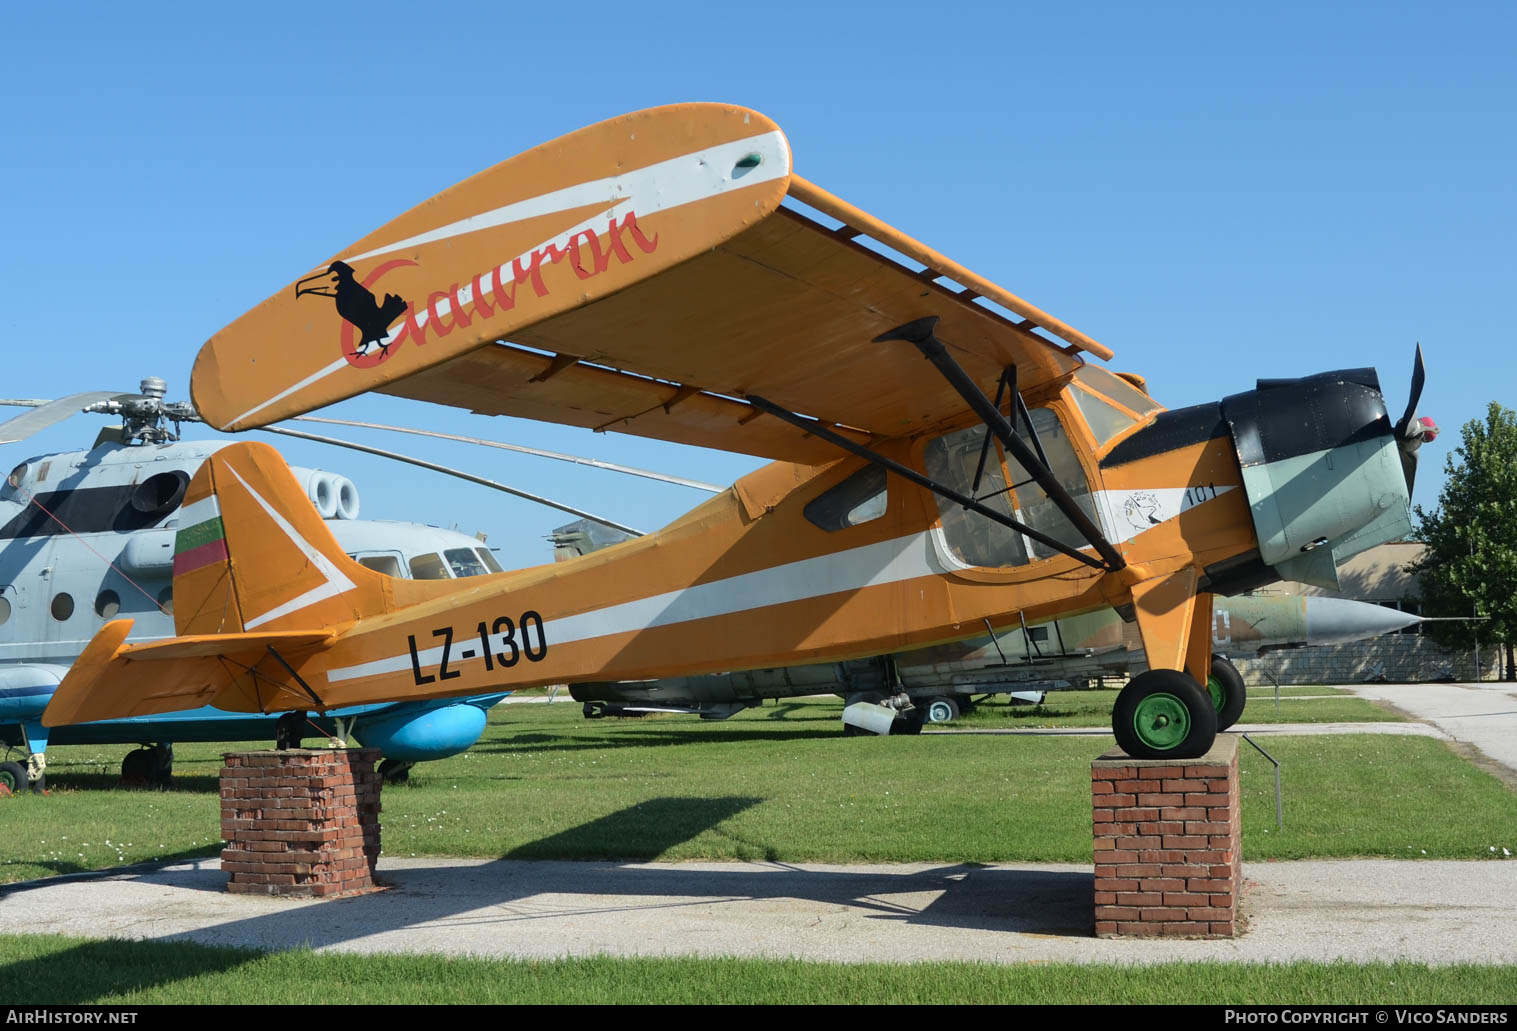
(252,554)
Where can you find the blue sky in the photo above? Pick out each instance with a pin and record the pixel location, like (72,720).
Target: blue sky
(1217,192)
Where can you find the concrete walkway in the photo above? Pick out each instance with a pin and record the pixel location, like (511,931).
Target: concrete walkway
(1482,715)
(1412,729)
(1431,911)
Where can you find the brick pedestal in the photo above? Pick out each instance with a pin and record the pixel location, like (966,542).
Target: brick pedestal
(1168,844)
(300,822)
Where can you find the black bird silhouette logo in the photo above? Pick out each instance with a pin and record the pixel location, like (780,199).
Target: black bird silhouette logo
(356,304)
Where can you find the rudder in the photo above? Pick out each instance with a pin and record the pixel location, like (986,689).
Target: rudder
(252,554)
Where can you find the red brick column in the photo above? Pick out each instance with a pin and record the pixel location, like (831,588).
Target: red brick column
(1168,844)
(300,822)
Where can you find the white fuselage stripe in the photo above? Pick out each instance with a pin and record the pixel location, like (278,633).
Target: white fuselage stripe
(904,558)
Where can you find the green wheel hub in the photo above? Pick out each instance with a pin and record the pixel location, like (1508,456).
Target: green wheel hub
(1161,721)
(1217,691)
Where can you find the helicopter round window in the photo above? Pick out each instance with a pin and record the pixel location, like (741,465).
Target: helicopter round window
(5,610)
(63,606)
(17,475)
(107,604)
(166,599)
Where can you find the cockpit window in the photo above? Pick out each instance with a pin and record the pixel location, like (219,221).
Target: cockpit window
(489,560)
(858,499)
(1116,388)
(429,567)
(464,562)
(1096,389)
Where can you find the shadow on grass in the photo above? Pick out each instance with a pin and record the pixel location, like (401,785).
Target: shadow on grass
(643,831)
(443,908)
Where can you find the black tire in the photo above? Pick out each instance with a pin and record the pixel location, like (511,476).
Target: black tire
(137,768)
(1226,679)
(394,771)
(849,730)
(942,710)
(13,777)
(1164,714)
(911,723)
(289,730)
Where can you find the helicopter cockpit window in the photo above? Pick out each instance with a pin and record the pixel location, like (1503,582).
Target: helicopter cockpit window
(464,562)
(429,567)
(489,560)
(858,499)
(389,565)
(1007,488)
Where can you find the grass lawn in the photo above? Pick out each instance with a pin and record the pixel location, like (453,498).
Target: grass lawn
(778,783)
(44,969)
(1093,709)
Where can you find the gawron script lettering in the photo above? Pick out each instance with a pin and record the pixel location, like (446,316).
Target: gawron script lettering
(588,253)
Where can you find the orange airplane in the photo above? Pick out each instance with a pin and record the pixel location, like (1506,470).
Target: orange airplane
(944,458)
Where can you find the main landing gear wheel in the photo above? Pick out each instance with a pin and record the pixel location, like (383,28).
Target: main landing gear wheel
(12,778)
(1164,714)
(1225,685)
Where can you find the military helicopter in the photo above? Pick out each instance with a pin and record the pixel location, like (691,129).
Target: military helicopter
(88,536)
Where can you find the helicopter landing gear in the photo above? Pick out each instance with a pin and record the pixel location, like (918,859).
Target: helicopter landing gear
(394,771)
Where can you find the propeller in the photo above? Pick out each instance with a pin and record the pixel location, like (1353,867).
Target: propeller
(1412,431)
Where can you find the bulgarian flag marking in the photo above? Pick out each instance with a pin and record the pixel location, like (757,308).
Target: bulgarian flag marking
(201,540)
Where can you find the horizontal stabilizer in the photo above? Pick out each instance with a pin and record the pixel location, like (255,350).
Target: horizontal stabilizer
(241,672)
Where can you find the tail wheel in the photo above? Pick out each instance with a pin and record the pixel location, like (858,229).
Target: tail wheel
(1164,714)
(1225,685)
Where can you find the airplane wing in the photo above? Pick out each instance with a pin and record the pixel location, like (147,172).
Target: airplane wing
(643,275)
(247,672)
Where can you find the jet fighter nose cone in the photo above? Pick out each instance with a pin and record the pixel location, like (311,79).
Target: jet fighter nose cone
(1339,621)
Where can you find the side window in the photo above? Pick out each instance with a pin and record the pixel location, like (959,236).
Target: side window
(1007,488)
(1036,510)
(974,539)
(858,499)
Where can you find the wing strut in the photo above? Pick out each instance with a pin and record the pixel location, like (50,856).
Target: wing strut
(816,429)
(920,333)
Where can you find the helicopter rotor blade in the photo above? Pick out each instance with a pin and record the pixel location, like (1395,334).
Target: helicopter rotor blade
(556,455)
(47,413)
(422,463)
